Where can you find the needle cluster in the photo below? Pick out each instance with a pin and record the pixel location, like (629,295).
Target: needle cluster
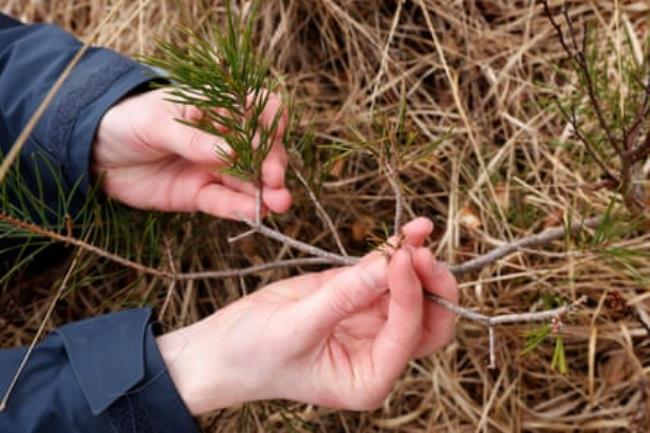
(219,72)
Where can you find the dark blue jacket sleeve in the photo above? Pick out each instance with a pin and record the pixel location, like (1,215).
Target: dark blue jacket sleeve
(101,375)
(105,374)
(56,156)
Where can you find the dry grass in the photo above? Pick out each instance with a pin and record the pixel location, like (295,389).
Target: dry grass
(497,176)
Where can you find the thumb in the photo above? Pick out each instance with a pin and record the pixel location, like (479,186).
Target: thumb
(347,292)
(168,133)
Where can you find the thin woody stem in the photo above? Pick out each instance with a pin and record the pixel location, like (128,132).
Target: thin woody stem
(258,205)
(536,240)
(304,261)
(57,237)
(578,56)
(320,256)
(300,246)
(321,210)
(502,319)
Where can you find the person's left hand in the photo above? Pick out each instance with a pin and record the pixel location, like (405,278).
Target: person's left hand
(149,160)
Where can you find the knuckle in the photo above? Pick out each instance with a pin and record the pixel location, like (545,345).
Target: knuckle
(342,301)
(195,139)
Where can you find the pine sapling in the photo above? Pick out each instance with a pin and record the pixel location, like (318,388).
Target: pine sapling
(219,72)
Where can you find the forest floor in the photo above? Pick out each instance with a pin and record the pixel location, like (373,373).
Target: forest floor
(489,161)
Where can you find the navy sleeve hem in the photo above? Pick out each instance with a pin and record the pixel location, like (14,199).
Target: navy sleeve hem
(104,374)
(125,76)
(117,363)
(31,59)
(160,396)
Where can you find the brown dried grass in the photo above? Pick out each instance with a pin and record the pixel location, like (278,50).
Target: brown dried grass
(497,176)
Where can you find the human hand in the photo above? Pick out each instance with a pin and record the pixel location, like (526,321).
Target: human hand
(338,338)
(151,161)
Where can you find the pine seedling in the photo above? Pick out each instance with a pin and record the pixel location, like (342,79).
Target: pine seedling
(219,72)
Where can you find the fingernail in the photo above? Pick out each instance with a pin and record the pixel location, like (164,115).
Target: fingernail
(373,273)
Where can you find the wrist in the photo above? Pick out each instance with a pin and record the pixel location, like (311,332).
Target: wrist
(197,360)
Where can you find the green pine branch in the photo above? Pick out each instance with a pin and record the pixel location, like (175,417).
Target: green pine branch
(219,72)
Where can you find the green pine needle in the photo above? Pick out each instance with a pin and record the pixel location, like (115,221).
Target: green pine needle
(219,72)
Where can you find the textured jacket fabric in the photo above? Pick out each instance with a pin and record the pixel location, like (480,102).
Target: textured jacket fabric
(104,374)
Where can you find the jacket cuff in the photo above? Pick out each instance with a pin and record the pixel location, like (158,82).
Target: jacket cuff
(100,80)
(160,395)
(6,22)
(121,373)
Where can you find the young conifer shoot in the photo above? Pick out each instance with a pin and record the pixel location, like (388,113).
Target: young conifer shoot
(219,72)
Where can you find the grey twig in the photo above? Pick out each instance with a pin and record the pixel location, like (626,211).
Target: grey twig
(502,319)
(543,238)
(300,246)
(83,245)
(324,215)
(304,261)
(320,256)
(491,321)
(241,236)
(258,205)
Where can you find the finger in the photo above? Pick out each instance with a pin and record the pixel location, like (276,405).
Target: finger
(396,342)
(237,184)
(347,292)
(274,107)
(277,200)
(169,135)
(274,167)
(220,201)
(417,231)
(438,322)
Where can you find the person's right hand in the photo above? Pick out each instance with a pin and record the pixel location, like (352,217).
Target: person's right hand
(338,338)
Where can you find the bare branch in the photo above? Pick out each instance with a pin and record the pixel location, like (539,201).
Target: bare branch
(241,236)
(258,205)
(491,321)
(571,118)
(57,237)
(503,319)
(35,229)
(632,133)
(300,246)
(539,239)
(304,261)
(320,256)
(324,215)
(580,59)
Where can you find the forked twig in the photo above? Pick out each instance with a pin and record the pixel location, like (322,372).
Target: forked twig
(320,256)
